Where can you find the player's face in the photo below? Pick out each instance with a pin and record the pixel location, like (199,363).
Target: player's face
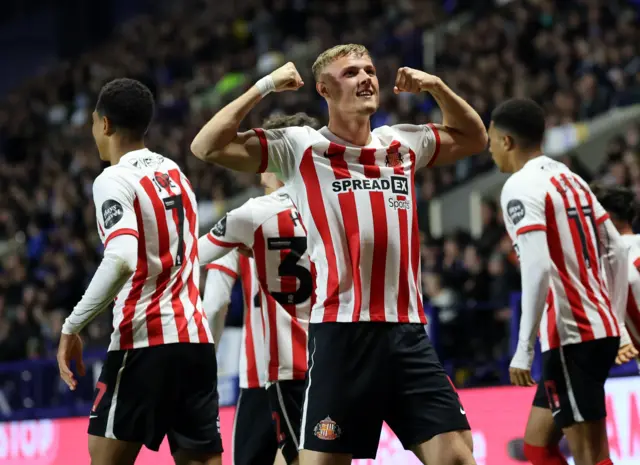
(98,131)
(498,146)
(352,85)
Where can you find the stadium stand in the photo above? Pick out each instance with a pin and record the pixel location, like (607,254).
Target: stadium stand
(579,58)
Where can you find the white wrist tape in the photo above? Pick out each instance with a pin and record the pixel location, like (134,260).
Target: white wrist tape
(266,85)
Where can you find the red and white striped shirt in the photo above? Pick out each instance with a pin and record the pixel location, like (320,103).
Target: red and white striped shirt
(271,227)
(546,196)
(221,276)
(147,196)
(633,299)
(359,207)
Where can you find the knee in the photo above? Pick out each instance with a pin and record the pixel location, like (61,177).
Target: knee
(467,437)
(460,450)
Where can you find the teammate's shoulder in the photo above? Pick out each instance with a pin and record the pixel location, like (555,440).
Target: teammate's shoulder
(112,175)
(269,205)
(390,132)
(521,184)
(631,240)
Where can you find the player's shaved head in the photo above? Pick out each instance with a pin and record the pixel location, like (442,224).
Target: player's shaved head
(329,56)
(286,121)
(521,119)
(619,202)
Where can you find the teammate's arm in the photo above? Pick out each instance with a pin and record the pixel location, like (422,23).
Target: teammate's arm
(462,132)
(523,209)
(615,259)
(629,352)
(233,230)
(221,277)
(117,226)
(535,271)
(219,140)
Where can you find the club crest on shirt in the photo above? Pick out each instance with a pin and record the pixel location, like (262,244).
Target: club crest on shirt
(112,212)
(327,430)
(220,228)
(163,180)
(393,159)
(515,210)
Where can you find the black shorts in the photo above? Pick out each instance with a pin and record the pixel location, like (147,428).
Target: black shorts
(286,399)
(361,374)
(147,393)
(573,378)
(254,436)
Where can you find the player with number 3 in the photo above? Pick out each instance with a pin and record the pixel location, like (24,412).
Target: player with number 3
(271,227)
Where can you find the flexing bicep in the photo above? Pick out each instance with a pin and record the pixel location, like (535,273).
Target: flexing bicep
(454,145)
(244,153)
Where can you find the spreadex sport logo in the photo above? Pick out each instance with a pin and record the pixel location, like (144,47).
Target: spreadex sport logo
(398,185)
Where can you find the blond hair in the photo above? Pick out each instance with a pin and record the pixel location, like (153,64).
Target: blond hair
(329,56)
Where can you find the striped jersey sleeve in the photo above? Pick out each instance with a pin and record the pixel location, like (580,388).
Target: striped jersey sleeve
(423,139)
(282,149)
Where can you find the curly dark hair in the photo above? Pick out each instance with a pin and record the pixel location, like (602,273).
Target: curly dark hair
(128,105)
(285,121)
(523,119)
(619,202)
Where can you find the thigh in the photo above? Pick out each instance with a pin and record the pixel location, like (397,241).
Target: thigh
(129,397)
(195,424)
(574,378)
(105,451)
(345,389)
(285,398)
(423,403)
(254,436)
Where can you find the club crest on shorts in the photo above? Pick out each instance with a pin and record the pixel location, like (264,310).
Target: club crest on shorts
(327,430)
(552,395)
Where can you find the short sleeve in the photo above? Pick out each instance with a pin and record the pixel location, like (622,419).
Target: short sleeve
(113,198)
(423,139)
(235,229)
(522,208)
(282,149)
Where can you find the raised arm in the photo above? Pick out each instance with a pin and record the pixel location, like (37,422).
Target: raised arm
(219,140)
(462,132)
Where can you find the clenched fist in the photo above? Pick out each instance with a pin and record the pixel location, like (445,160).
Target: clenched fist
(414,81)
(287,78)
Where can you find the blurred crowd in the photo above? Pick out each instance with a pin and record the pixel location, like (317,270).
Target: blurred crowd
(578,58)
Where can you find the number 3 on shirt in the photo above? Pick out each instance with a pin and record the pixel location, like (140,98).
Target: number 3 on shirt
(290,267)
